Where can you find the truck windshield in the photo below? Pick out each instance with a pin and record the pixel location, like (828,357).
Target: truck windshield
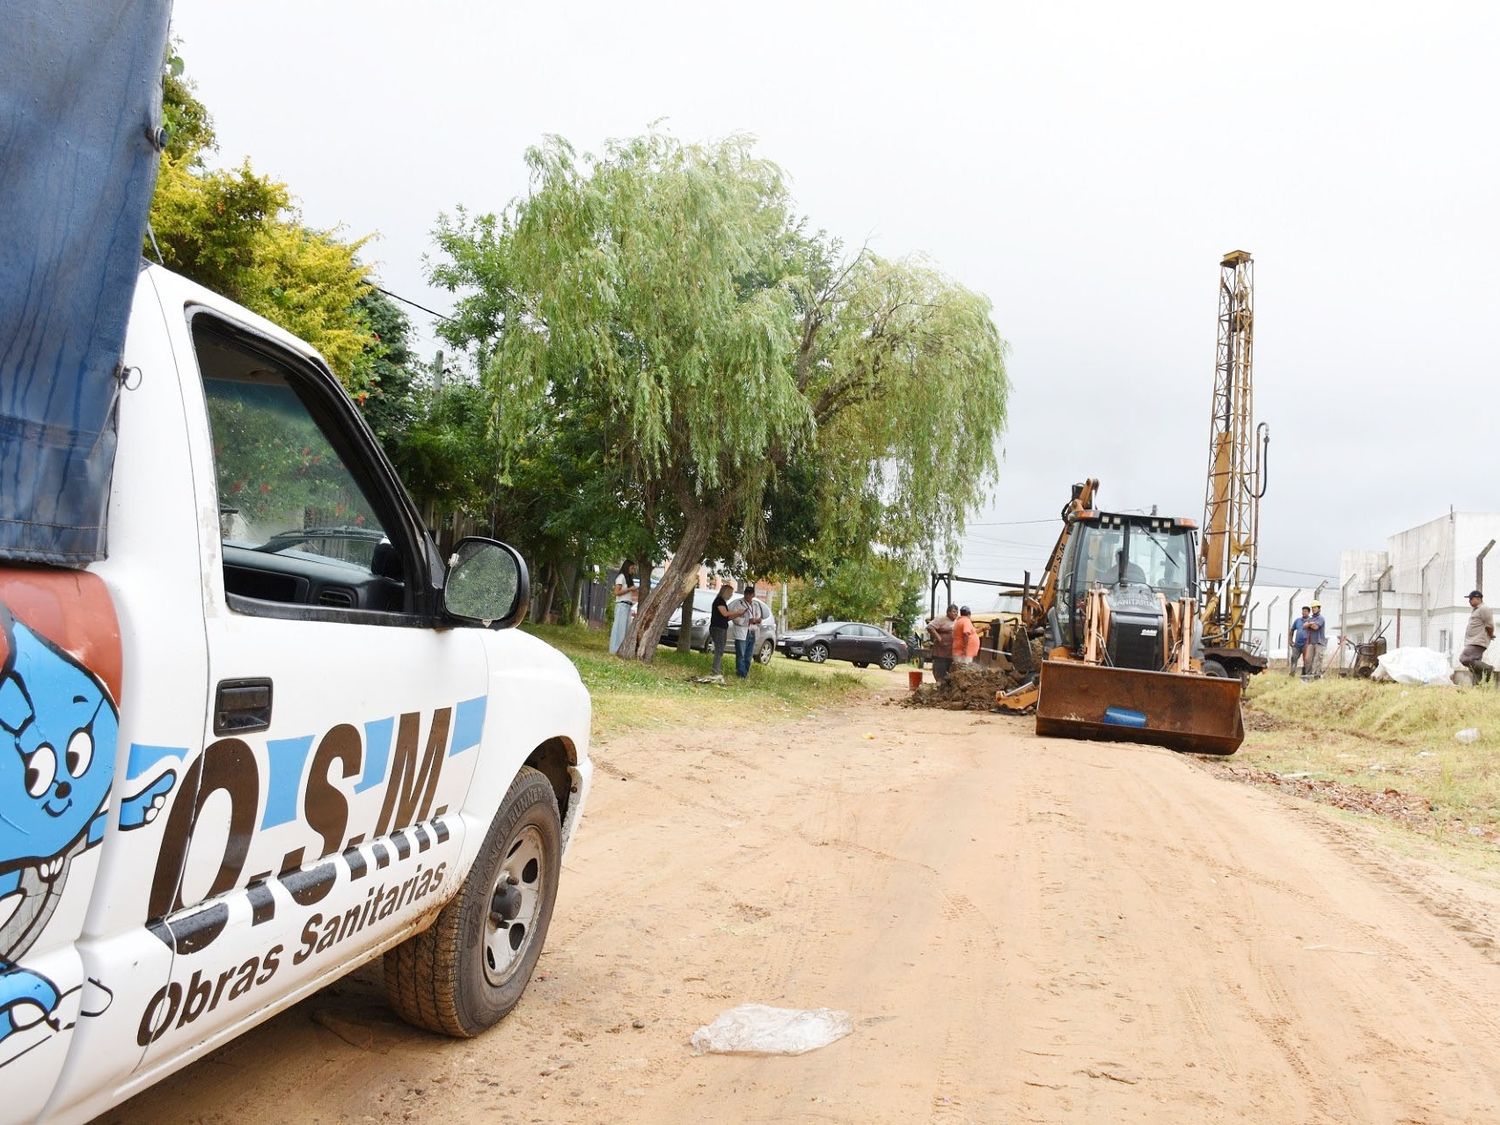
(1162,558)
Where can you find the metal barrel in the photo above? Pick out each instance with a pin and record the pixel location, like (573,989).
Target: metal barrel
(1198,714)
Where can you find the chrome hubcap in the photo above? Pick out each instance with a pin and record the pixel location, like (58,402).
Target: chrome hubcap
(515,903)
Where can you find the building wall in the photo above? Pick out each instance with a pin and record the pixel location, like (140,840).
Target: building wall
(1423,600)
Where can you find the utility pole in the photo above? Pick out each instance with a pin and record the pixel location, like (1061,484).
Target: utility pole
(1344,615)
(1379,590)
(1426,609)
(1291,607)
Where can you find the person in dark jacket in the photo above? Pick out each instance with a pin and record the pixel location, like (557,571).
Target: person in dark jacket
(720,617)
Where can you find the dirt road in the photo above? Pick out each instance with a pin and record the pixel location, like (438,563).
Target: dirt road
(1023,929)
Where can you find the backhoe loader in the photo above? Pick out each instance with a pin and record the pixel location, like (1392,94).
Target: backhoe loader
(1117,617)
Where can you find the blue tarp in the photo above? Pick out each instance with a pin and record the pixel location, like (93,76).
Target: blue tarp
(80,106)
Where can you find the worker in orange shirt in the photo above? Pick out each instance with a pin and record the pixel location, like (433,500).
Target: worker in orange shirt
(965,639)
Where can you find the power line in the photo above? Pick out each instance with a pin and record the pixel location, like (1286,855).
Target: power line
(1300,573)
(413,304)
(1014,523)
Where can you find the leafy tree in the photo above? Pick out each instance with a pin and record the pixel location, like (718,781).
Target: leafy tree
(726,350)
(237,233)
(391,398)
(877,589)
(653,272)
(190,129)
(561,498)
(448,455)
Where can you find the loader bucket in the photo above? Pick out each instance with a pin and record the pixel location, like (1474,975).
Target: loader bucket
(1198,714)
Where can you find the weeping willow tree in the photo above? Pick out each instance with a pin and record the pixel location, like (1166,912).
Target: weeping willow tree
(721,344)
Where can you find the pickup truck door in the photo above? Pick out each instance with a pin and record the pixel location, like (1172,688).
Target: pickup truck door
(344,715)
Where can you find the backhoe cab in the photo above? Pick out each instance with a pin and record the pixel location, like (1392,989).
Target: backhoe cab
(1138,571)
(1117,613)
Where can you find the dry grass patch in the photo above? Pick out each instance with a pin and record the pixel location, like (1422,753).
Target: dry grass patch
(1336,738)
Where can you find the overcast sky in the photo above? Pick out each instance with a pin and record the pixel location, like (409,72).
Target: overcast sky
(1082,165)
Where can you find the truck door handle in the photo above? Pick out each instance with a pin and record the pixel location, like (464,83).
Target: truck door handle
(242,706)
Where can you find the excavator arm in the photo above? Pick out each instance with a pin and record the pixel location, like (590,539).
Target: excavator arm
(1038,605)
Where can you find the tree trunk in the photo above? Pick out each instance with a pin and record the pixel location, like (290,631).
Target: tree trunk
(568,612)
(549,579)
(681,576)
(685,634)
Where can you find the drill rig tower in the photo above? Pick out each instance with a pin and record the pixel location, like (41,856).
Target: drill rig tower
(1236,477)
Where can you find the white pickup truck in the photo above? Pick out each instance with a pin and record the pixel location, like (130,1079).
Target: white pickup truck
(271,736)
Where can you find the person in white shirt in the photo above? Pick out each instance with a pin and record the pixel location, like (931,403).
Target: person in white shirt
(627,593)
(747,614)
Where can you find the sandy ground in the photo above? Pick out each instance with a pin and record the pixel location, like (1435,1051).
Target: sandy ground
(1024,929)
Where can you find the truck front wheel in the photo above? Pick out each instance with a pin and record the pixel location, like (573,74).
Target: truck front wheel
(466,971)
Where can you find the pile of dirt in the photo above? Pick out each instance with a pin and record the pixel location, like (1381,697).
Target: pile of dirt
(968,689)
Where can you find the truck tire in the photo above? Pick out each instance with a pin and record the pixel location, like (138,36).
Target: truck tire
(465,972)
(1215,669)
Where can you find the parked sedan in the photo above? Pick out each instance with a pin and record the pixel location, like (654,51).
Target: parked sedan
(860,644)
(703,602)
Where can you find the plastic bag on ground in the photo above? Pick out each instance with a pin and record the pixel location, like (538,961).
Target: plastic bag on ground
(1416,666)
(758,1029)
(1468,734)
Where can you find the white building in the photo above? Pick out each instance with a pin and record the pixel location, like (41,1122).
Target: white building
(1416,590)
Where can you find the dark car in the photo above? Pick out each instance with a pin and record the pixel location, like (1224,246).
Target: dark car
(860,644)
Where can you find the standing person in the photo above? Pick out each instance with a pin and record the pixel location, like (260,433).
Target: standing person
(965,639)
(940,630)
(719,620)
(627,593)
(1315,629)
(1477,637)
(748,615)
(1298,641)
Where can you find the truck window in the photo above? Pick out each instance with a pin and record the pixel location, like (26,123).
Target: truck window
(1100,564)
(1165,557)
(295,522)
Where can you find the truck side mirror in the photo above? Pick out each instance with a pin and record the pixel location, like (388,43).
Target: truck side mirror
(487,584)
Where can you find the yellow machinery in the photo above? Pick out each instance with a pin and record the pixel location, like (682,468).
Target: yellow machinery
(1236,479)
(1117,612)
(1139,643)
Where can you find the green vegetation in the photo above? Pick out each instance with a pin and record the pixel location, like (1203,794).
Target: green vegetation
(238,233)
(657,356)
(1382,737)
(740,387)
(632,695)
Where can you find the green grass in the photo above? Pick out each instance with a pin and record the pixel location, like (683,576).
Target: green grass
(629,695)
(1381,736)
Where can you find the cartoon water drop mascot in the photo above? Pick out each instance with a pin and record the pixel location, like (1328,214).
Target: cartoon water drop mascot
(58,731)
